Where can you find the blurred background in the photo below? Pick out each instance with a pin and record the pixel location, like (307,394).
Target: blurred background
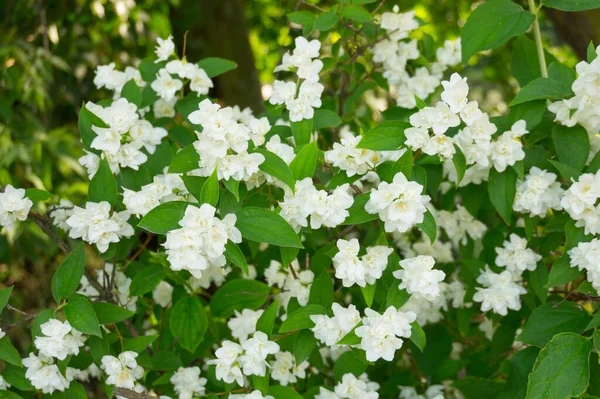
(49,50)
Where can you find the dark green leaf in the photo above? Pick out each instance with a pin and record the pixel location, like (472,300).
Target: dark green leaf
(185,160)
(210,190)
(302,131)
(103,186)
(80,313)
(8,353)
(572,145)
(305,162)
(428,226)
(108,313)
(138,344)
(234,254)
(325,118)
(214,66)
(4,296)
(572,5)
(251,222)
(357,212)
(146,280)
(276,167)
(67,277)
(551,319)
(266,322)
(387,136)
(189,322)
(302,17)
(238,295)
(87,119)
(132,93)
(321,290)
(300,319)
(327,20)
(502,188)
(417,336)
(35,194)
(164,217)
(357,14)
(304,344)
(542,89)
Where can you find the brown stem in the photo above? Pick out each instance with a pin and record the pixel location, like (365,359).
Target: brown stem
(131,394)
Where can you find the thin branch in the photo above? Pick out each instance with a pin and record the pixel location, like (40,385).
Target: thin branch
(131,394)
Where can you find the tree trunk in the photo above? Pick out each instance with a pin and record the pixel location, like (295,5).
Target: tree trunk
(577,28)
(217,28)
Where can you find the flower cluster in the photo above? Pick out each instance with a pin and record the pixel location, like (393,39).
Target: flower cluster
(300,99)
(538,193)
(361,271)
(329,210)
(419,278)
(187,382)
(234,361)
(165,188)
(285,370)
(329,330)
(293,282)
(244,323)
(460,225)
(381,333)
(500,292)
(516,257)
(44,374)
(580,202)
(399,204)
(585,257)
(351,387)
(121,284)
(14,205)
(122,371)
(59,340)
(200,242)
(223,142)
(94,224)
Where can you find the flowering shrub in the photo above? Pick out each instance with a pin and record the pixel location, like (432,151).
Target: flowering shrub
(322,249)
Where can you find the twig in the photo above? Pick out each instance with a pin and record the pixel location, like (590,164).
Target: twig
(131,394)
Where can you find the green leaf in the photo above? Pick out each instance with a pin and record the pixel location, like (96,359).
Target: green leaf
(233,186)
(302,131)
(87,119)
(403,165)
(572,5)
(327,20)
(108,313)
(460,163)
(234,254)
(591,51)
(40,319)
(387,136)
(8,353)
(266,321)
(300,319)
(304,344)
(146,280)
(15,376)
(567,172)
(519,368)
(132,93)
(149,69)
(281,392)
(538,279)
(562,272)
(276,167)
(210,190)
(348,362)
(351,338)
(478,388)
(35,194)
(491,25)
(417,336)
(251,221)
(356,14)
(561,73)
(164,217)
(305,162)
(149,96)
(214,66)
(138,344)
(357,212)
(302,17)
(525,64)
(189,322)
(551,319)
(561,370)
(368,292)
(325,118)
(396,297)
(321,290)
(103,186)
(572,145)
(166,361)
(185,160)
(428,226)
(238,295)
(75,391)
(502,188)
(80,313)
(4,296)
(67,277)
(542,89)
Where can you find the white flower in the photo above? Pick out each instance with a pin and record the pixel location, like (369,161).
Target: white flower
(227,363)
(165,86)
(244,323)
(13,206)
(455,93)
(123,372)
(508,150)
(329,330)
(538,193)
(500,292)
(419,278)
(366,270)
(162,294)
(586,256)
(283,92)
(164,49)
(516,257)
(164,109)
(200,82)
(59,340)
(44,374)
(187,382)
(3,384)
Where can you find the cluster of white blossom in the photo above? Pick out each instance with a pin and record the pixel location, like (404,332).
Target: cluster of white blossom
(113,79)
(399,204)
(223,142)
(440,250)
(580,202)
(300,99)
(164,188)
(121,143)
(234,361)
(122,371)
(381,333)
(351,387)
(396,50)
(59,340)
(163,294)
(585,257)
(361,271)
(538,193)
(499,293)
(14,205)
(460,225)
(357,161)
(243,324)
(419,278)
(294,284)
(432,392)
(582,108)
(516,257)
(200,242)
(329,330)
(120,284)
(285,370)
(187,382)
(44,374)
(329,210)
(94,224)
(3,384)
